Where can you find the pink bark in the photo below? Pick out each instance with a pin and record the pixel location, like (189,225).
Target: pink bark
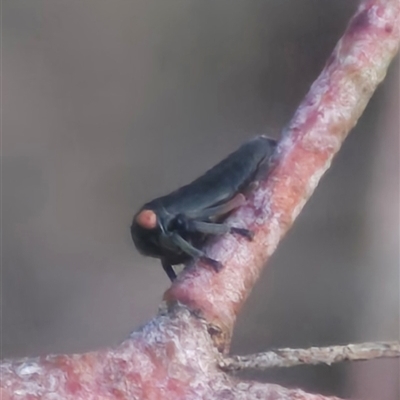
(331,108)
(174,356)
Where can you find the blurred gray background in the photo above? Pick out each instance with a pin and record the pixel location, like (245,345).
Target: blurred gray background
(107,104)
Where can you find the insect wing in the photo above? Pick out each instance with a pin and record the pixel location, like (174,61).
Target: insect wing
(221,183)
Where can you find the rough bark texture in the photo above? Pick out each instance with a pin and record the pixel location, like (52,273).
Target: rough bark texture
(313,356)
(324,118)
(174,356)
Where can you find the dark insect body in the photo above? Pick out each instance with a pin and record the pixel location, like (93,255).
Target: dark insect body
(175,226)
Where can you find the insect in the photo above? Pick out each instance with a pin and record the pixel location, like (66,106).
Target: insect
(174,227)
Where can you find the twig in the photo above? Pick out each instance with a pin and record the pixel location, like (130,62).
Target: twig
(314,135)
(312,356)
(173,355)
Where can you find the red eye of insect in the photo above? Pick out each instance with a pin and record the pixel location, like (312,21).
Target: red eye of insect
(147,219)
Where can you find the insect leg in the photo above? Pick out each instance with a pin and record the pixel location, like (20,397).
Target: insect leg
(190,250)
(248,234)
(221,209)
(217,229)
(168,269)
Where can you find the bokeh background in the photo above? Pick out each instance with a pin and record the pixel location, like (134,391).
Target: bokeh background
(107,104)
